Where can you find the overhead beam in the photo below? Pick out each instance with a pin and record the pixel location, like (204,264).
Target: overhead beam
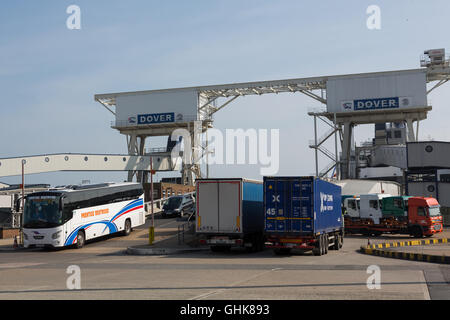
(84,162)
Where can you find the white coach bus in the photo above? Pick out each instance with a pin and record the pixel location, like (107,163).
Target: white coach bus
(73,214)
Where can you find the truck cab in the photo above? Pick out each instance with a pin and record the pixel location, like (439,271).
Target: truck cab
(424,216)
(396,207)
(351,207)
(371,206)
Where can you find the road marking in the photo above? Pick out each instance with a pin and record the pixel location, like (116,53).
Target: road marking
(233,285)
(426,291)
(18,265)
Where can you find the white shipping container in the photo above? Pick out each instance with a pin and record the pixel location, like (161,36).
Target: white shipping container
(377,91)
(358,187)
(214,197)
(6,201)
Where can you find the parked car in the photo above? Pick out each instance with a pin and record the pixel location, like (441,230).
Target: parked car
(178,206)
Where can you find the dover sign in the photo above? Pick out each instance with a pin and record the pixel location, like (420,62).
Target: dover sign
(377,103)
(156,118)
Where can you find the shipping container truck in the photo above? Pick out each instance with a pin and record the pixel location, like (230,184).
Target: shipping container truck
(302,213)
(230,213)
(423,219)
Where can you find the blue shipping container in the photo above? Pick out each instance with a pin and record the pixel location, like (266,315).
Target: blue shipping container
(301,206)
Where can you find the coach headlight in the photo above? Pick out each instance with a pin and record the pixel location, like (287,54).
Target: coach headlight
(56,235)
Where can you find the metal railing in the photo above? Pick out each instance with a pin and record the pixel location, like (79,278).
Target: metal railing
(185,227)
(157,206)
(155,150)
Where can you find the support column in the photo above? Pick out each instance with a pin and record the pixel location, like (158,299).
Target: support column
(207,154)
(410,129)
(336,168)
(315,145)
(417,130)
(346,148)
(132,150)
(142,176)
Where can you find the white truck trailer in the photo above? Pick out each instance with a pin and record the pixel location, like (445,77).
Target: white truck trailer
(230,213)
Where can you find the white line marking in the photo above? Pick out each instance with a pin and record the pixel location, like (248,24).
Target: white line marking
(18,265)
(231,286)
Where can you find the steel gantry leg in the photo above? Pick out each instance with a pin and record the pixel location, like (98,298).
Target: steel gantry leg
(346,149)
(132,150)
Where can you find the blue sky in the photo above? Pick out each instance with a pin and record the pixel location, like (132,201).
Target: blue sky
(49,74)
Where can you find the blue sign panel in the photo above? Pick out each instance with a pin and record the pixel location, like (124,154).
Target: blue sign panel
(379,103)
(156,118)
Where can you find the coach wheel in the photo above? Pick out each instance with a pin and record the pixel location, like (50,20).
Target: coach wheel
(127,229)
(80,239)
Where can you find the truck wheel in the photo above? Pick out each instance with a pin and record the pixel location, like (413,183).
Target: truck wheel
(318,250)
(336,242)
(341,241)
(417,232)
(322,245)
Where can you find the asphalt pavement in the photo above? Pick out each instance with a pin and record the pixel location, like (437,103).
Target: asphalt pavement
(107,272)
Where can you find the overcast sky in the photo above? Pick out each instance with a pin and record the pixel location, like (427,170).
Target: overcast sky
(49,74)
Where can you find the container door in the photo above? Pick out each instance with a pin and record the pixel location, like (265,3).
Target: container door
(229,206)
(276,198)
(301,203)
(208,209)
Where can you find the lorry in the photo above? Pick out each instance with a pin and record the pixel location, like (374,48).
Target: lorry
(351,207)
(302,213)
(423,218)
(229,213)
(371,206)
(396,207)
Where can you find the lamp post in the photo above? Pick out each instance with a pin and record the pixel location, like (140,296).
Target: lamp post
(151,233)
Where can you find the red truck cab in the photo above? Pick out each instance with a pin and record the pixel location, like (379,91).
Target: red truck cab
(424,216)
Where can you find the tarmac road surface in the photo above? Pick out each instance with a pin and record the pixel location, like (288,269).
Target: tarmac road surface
(106,272)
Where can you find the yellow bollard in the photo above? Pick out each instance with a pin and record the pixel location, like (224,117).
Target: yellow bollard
(151,235)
